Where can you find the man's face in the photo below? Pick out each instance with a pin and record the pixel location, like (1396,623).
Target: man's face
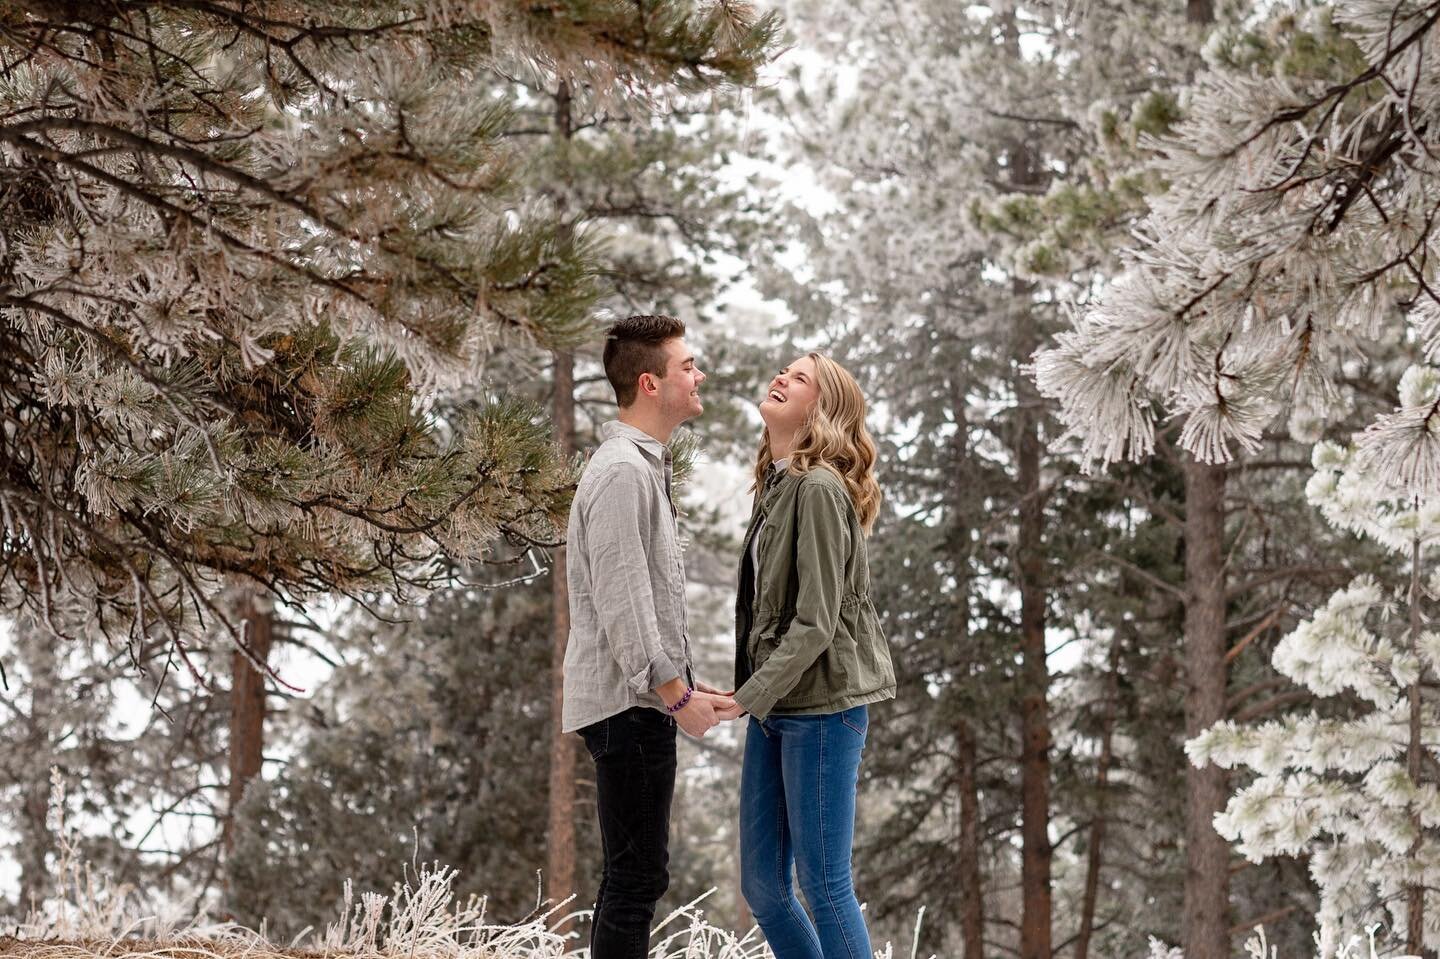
(679,389)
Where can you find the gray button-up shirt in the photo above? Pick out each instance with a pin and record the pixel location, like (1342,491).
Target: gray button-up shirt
(627,581)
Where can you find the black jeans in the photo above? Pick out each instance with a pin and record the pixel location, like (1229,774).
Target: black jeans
(634,755)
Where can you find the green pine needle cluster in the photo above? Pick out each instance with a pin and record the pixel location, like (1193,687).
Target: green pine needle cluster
(247,251)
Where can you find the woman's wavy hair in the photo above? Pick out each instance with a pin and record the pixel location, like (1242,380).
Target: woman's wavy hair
(834,437)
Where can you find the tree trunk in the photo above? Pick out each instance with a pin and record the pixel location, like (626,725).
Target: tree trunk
(37,841)
(560,837)
(560,831)
(972,901)
(1034,706)
(247,706)
(1035,856)
(1095,855)
(1414,759)
(1207,857)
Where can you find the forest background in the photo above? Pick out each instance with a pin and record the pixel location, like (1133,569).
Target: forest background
(300,309)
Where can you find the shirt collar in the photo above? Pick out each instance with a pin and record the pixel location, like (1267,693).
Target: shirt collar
(777,473)
(647,443)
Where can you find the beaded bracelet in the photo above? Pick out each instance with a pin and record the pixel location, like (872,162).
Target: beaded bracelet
(680,703)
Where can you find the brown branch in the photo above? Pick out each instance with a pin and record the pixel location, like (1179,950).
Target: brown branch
(1285,573)
(1275,916)
(1267,706)
(1251,636)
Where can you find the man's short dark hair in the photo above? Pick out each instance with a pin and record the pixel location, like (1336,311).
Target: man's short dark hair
(636,345)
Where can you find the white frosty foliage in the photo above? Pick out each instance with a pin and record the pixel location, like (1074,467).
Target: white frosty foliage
(89,917)
(1270,261)
(1369,946)
(1333,784)
(1162,950)
(243,247)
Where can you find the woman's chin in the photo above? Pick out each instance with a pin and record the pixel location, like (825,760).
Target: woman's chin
(776,416)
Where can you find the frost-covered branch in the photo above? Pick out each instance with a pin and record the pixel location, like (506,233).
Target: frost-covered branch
(1298,224)
(1350,783)
(243,249)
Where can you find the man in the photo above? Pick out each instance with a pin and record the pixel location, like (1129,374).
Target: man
(627,666)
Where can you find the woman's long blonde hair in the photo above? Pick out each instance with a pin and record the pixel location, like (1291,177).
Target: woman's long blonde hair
(834,437)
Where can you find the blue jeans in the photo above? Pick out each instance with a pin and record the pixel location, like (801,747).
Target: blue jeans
(797,809)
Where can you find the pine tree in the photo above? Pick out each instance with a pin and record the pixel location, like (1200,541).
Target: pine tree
(242,247)
(1346,784)
(891,272)
(421,748)
(60,703)
(649,185)
(961,228)
(1293,232)
(646,185)
(1290,243)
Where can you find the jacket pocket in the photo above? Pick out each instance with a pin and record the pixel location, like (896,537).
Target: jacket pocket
(762,646)
(874,647)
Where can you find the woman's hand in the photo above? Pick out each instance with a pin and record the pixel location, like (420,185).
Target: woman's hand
(707,688)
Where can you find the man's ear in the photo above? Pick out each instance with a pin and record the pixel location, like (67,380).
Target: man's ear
(648,384)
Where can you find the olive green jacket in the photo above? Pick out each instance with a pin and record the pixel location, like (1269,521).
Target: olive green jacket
(808,641)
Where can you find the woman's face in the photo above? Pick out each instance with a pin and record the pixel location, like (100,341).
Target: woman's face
(790,397)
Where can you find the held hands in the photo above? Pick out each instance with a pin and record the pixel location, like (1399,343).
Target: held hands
(726,707)
(708,707)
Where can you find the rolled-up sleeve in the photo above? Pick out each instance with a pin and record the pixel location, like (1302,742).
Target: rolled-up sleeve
(620,578)
(822,543)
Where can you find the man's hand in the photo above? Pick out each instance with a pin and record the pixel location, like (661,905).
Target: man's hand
(707,708)
(707,688)
(700,714)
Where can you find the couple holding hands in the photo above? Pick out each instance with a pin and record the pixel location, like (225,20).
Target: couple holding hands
(809,654)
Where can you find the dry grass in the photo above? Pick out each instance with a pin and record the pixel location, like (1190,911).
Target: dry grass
(419,920)
(88,918)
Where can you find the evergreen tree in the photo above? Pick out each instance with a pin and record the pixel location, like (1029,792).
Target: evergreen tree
(57,716)
(423,748)
(941,247)
(958,231)
(1346,784)
(1294,230)
(240,249)
(396,239)
(1290,244)
(647,186)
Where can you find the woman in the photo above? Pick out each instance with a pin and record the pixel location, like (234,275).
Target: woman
(809,658)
